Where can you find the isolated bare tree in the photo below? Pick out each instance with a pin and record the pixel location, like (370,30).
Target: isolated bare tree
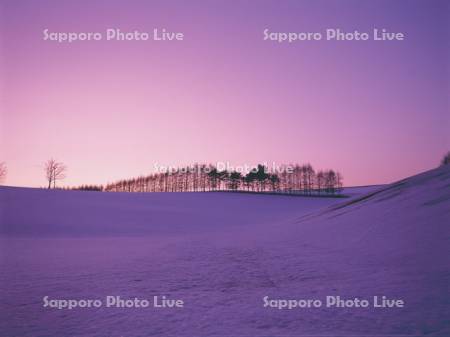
(3,171)
(54,171)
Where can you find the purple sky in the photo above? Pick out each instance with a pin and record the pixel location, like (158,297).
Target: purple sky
(376,111)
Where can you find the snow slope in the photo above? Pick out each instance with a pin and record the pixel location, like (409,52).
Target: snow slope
(222,253)
(43,213)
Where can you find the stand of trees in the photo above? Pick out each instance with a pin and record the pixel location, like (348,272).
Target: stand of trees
(95,188)
(301,179)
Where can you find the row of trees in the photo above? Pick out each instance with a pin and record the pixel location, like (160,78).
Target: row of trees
(202,177)
(94,188)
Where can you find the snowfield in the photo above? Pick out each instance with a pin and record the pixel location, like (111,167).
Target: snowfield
(222,254)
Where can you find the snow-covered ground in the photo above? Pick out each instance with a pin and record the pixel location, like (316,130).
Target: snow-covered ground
(355,191)
(221,253)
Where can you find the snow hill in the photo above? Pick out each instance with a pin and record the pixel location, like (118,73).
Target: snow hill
(222,253)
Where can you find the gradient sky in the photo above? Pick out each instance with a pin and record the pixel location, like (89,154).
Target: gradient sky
(376,111)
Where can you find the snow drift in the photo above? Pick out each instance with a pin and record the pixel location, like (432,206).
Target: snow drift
(222,253)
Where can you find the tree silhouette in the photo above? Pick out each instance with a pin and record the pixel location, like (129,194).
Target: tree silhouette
(235,179)
(446,159)
(274,182)
(214,176)
(298,179)
(261,177)
(54,171)
(3,171)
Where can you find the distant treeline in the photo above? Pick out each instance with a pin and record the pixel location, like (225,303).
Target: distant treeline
(202,178)
(96,188)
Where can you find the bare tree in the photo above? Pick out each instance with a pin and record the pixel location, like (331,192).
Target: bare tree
(54,171)
(320,181)
(3,171)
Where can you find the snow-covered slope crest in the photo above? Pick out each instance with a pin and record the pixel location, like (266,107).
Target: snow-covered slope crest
(414,211)
(430,188)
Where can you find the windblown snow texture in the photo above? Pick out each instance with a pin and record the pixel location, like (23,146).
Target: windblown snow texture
(222,253)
